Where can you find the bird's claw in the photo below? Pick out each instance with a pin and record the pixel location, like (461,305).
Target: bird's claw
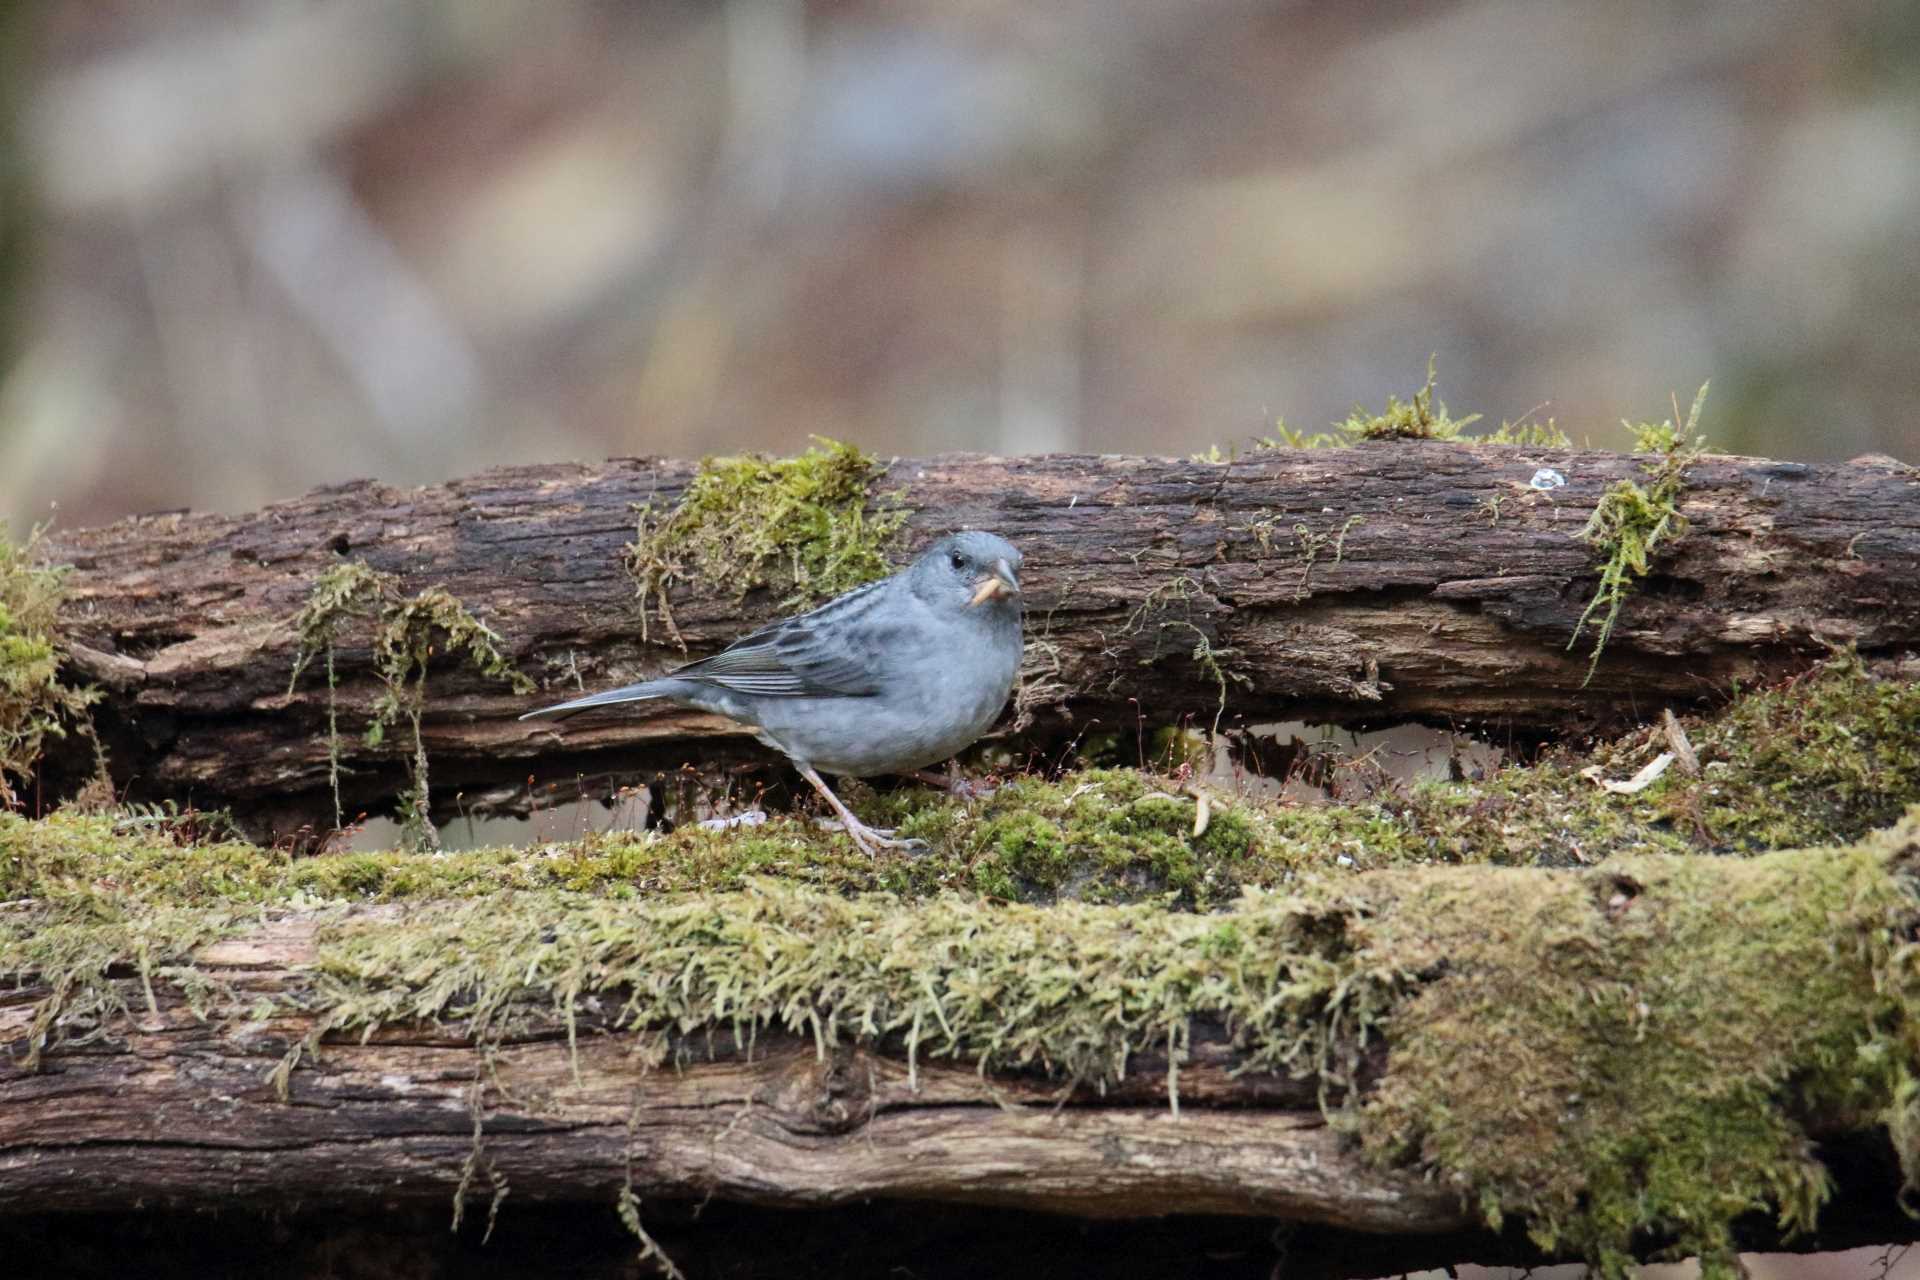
(873,839)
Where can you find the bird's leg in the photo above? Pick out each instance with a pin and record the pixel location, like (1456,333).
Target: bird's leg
(869,840)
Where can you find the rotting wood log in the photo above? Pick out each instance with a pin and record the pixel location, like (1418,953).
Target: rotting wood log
(174,1109)
(171,1110)
(1362,586)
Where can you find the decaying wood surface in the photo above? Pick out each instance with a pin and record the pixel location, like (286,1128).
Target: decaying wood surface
(175,1110)
(1364,585)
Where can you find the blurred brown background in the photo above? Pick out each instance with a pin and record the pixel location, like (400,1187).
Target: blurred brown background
(247,247)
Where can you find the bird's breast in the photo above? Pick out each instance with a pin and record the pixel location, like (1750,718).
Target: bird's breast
(968,688)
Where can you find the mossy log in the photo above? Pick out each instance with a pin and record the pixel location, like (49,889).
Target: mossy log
(1364,585)
(1667,1052)
(177,1109)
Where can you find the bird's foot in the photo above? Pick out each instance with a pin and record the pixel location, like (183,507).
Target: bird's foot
(871,840)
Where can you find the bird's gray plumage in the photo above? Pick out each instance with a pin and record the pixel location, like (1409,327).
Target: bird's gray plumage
(888,678)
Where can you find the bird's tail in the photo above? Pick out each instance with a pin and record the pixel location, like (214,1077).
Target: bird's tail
(610,698)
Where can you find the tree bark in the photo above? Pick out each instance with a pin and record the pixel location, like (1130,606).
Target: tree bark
(177,1110)
(1361,586)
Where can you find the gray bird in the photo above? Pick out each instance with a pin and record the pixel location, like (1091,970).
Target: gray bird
(888,678)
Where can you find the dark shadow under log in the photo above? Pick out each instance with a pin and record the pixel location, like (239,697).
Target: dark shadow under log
(585,1241)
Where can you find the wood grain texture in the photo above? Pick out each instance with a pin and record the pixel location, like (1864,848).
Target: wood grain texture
(177,1110)
(1436,606)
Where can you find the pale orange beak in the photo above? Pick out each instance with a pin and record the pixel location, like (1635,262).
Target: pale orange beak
(1000,582)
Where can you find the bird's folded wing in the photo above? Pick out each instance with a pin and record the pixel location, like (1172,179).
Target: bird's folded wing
(835,656)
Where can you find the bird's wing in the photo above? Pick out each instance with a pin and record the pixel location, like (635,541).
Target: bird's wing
(834,651)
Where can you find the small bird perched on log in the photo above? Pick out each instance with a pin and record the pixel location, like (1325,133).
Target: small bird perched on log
(889,678)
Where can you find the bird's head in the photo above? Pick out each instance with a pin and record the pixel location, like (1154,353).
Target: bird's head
(970,570)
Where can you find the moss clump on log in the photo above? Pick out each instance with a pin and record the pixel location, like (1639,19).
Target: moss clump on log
(35,704)
(1630,523)
(797,526)
(1630,1057)
(1423,417)
(1821,759)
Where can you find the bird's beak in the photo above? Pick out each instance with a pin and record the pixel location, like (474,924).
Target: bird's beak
(1000,582)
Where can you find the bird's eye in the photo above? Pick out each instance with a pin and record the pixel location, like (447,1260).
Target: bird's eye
(959,561)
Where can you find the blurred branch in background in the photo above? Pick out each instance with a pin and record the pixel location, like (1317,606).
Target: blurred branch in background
(346,281)
(273,246)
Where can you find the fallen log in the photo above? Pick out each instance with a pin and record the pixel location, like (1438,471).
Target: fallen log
(1392,581)
(1624,1059)
(179,1111)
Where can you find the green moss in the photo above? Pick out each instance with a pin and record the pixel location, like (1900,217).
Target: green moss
(1074,989)
(1424,417)
(1821,759)
(799,527)
(34,704)
(1120,836)
(1628,1058)
(1630,523)
(76,951)
(407,632)
(1631,1057)
(612,865)
(95,898)
(1607,1054)
(73,857)
(1105,835)
(1531,435)
(1828,756)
